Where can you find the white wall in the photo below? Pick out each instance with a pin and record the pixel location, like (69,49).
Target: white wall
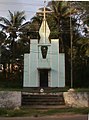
(10,99)
(26,81)
(61,70)
(33,64)
(76,99)
(54,61)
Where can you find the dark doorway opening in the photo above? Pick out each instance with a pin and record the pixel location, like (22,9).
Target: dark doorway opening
(44,78)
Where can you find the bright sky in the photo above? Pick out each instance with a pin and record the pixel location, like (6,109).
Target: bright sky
(29,6)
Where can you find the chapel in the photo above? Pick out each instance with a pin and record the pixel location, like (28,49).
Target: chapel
(44,66)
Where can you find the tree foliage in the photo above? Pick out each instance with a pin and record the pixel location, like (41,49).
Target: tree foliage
(15,39)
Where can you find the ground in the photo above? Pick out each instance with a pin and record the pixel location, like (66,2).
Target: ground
(54,117)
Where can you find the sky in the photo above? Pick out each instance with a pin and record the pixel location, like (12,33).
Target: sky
(29,6)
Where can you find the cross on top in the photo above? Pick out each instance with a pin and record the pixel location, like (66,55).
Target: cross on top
(44,11)
(44,29)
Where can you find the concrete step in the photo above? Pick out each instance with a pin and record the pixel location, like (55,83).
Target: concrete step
(39,99)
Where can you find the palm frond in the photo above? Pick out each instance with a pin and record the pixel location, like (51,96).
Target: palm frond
(5,21)
(11,15)
(24,26)
(18,18)
(3,27)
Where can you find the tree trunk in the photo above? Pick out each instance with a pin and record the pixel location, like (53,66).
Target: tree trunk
(12,49)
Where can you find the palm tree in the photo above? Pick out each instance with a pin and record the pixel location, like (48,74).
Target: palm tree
(35,25)
(61,14)
(2,39)
(12,26)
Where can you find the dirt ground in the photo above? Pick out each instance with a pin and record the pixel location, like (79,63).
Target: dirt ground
(54,117)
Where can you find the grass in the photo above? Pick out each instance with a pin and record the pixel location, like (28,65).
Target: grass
(82,89)
(46,90)
(68,110)
(10,89)
(34,89)
(24,112)
(50,90)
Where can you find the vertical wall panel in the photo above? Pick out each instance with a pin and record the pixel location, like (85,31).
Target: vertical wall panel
(62,70)
(26,81)
(54,63)
(33,63)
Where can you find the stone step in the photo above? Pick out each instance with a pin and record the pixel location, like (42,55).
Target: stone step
(40,99)
(41,103)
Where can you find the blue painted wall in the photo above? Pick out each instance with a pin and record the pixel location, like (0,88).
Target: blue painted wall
(54,61)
